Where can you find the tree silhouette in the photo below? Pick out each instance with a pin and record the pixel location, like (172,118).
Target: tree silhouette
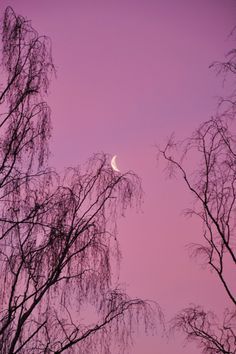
(58,233)
(213,185)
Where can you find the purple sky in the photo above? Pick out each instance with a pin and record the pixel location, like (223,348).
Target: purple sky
(131,72)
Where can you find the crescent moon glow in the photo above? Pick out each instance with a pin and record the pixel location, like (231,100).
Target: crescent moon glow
(113,164)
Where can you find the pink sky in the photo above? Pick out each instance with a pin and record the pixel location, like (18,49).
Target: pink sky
(129,74)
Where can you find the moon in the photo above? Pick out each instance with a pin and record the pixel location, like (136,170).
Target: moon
(113,164)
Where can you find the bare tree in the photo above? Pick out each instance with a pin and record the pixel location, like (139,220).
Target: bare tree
(58,234)
(213,185)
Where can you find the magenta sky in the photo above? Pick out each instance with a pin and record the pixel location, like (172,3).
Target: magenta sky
(130,72)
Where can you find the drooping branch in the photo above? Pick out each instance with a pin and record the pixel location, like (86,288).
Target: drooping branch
(25,120)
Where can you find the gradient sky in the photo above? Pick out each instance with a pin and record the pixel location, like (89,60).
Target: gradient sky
(129,73)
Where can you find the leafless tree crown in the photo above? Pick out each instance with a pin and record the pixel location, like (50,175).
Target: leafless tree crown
(212,182)
(58,234)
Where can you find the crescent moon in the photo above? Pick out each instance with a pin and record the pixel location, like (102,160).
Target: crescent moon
(113,164)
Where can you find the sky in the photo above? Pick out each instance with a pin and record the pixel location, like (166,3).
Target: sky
(129,73)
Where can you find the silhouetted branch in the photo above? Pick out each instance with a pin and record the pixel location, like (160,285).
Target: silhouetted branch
(203,328)
(213,185)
